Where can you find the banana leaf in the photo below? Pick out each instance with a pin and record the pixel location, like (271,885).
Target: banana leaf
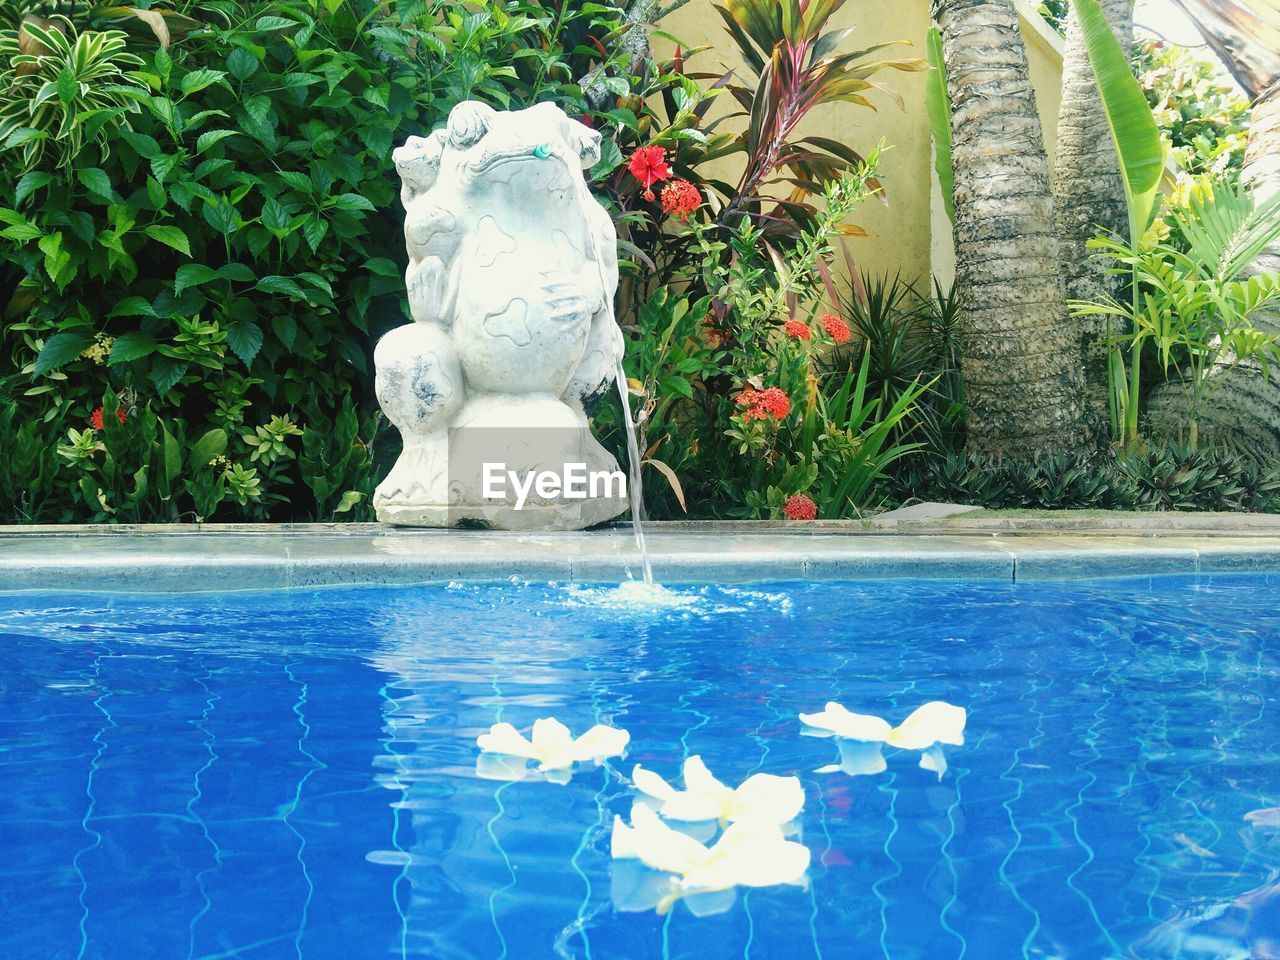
(1139,146)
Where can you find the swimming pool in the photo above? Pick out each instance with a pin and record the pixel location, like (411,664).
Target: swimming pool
(294,774)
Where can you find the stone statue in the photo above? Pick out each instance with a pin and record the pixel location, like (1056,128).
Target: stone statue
(512,271)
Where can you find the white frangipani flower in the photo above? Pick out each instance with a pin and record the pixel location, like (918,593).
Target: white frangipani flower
(935,722)
(748,854)
(552,745)
(762,797)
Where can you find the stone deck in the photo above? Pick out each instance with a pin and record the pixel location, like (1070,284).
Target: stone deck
(986,546)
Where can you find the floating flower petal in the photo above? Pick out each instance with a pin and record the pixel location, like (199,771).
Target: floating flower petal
(749,854)
(935,722)
(761,797)
(851,726)
(552,745)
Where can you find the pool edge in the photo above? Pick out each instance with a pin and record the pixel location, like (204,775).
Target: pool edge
(158,562)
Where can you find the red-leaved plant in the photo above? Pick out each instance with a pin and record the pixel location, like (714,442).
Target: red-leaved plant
(796,68)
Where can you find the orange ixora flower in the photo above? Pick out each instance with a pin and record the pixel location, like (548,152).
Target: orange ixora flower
(836,328)
(649,166)
(800,507)
(680,197)
(95,418)
(797,329)
(760,404)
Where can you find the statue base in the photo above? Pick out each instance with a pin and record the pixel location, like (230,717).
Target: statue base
(509,462)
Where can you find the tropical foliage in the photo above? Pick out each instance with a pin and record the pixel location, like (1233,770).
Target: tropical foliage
(1204,118)
(203,243)
(202,236)
(1192,305)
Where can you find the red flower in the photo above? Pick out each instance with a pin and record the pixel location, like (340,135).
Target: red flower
(747,398)
(836,328)
(649,165)
(800,507)
(798,329)
(681,198)
(759,404)
(95,418)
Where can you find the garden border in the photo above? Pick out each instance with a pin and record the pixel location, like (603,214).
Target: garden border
(987,546)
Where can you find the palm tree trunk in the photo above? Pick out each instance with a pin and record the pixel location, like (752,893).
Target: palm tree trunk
(1021,353)
(1088,193)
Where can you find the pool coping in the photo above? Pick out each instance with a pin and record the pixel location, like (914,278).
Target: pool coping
(186,558)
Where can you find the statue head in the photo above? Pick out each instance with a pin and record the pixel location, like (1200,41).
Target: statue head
(538,154)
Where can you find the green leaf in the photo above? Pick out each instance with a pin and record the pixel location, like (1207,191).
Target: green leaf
(382,267)
(242,63)
(296,180)
(244,339)
(209,138)
(170,459)
(352,201)
(61,349)
(68,87)
(213,444)
(191,275)
(95,181)
(314,230)
(938,103)
(285,328)
(30,183)
(166,372)
(197,80)
(164,64)
(143,144)
(131,346)
(22,232)
(349,500)
(155,193)
(55,258)
(1137,139)
(275,284)
(170,237)
(274,23)
(132,307)
(236,271)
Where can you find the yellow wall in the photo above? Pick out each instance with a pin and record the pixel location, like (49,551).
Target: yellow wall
(910,232)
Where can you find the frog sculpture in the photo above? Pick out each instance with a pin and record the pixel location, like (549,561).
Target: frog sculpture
(512,272)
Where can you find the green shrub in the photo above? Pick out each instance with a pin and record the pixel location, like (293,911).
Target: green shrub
(206,233)
(1205,119)
(1165,477)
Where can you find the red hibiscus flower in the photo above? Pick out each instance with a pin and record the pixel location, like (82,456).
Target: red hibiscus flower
(800,507)
(649,166)
(798,329)
(836,328)
(681,198)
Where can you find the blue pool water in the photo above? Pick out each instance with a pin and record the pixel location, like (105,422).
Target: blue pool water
(294,775)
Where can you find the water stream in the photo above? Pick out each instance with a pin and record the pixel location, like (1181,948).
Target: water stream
(636,487)
(633,465)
